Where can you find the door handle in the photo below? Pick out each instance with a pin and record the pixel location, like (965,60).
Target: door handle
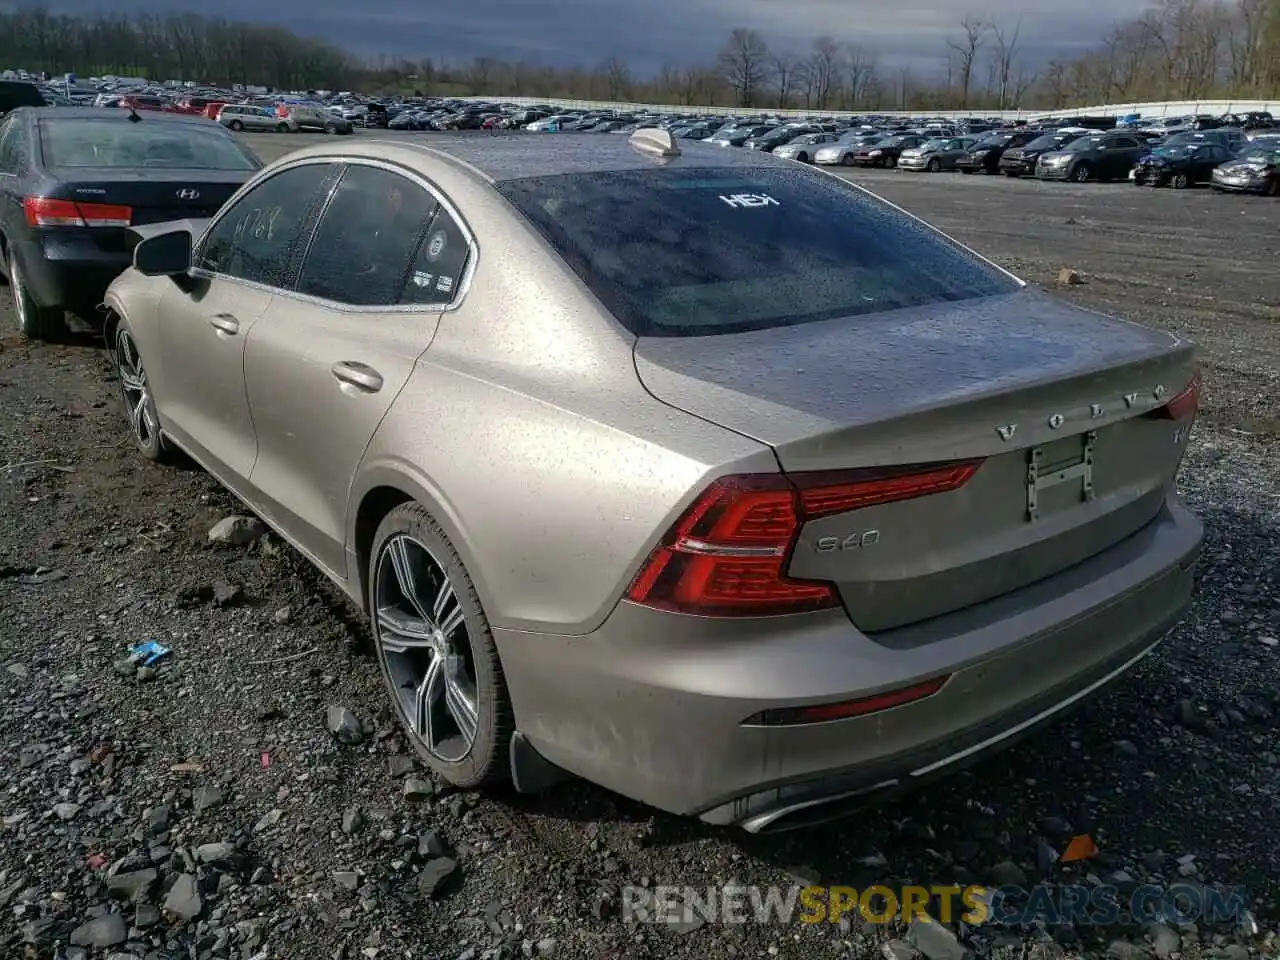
(358,375)
(225,323)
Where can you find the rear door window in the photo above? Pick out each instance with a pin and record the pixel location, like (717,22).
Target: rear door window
(695,251)
(11,146)
(367,239)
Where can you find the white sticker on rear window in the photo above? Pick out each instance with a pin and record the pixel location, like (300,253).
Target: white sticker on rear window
(750,200)
(422,280)
(444,284)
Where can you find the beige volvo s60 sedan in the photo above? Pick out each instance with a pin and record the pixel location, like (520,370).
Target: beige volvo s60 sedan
(707,477)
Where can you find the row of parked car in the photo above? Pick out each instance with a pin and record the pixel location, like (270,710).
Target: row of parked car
(1227,158)
(1238,152)
(1241,158)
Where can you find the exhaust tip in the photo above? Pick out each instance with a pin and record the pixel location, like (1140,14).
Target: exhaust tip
(817,811)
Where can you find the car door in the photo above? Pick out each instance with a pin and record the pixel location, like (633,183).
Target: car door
(249,251)
(325,366)
(11,145)
(1117,156)
(1208,157)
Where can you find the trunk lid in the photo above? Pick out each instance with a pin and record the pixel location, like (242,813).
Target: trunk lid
(1015,381)
(153,195)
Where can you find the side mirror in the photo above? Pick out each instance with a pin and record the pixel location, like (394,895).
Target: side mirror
(164,255)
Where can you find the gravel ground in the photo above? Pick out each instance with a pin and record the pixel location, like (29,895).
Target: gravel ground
(205,808)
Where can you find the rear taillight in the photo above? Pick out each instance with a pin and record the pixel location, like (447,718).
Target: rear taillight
(727,555)
(282,112)
(48,212)
(1183,405)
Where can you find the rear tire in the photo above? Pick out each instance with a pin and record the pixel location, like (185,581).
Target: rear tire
(35,322)
(236,125)
(136,399)
(330,129)
(282,128)
(1180,181)
(409,538)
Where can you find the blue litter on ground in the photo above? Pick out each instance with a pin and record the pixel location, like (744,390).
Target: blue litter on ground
(149,652)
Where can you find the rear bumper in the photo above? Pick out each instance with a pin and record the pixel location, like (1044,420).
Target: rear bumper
(67,268)
(652,705)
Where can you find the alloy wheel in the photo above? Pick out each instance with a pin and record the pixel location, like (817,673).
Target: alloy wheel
(19,296)
(134,389)
(423,642)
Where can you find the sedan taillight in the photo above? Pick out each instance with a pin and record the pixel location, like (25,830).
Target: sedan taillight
(50,212)
(727,555)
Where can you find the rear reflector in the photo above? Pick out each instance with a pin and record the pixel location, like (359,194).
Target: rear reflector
(826,712)
(727,555)
(48,212)
(1183,405)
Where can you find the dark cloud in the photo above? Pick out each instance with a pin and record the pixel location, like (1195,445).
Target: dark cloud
(648,33)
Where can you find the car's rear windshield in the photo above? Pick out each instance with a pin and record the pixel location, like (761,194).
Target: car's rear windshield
(696,251)
(119,144)
(1049,141)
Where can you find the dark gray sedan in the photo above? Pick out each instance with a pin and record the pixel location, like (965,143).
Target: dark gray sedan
(936,155)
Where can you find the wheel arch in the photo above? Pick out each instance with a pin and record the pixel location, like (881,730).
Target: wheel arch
(379,490)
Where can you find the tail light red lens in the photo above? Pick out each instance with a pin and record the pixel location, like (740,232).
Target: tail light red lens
(48,212)
(1185,404)
(727,555)
(826,712)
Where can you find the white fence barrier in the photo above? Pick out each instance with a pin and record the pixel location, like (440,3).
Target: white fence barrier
(1171,108)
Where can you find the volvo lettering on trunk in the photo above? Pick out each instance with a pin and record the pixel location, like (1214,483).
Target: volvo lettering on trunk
(1056,421)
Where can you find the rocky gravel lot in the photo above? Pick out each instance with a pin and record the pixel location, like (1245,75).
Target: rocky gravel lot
(247,797)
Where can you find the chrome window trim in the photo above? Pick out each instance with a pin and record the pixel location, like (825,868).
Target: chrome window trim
(464,281)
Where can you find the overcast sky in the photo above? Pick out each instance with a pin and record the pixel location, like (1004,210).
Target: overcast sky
(647,33)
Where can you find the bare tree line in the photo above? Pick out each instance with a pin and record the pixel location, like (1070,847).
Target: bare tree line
(1179,49)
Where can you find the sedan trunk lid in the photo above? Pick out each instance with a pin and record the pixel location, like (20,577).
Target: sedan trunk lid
(1057,404)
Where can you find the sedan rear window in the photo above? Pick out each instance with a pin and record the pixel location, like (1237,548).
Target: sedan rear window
(119,143)
(690,252)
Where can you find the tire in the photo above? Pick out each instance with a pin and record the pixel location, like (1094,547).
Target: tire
(1273,188)
(409,538)
(935,165)
(235,125)
(1080,173)
(1180,181)
(136,400)
(803,158)
(35,322)
(330,129)
(846,160)
(282,128)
